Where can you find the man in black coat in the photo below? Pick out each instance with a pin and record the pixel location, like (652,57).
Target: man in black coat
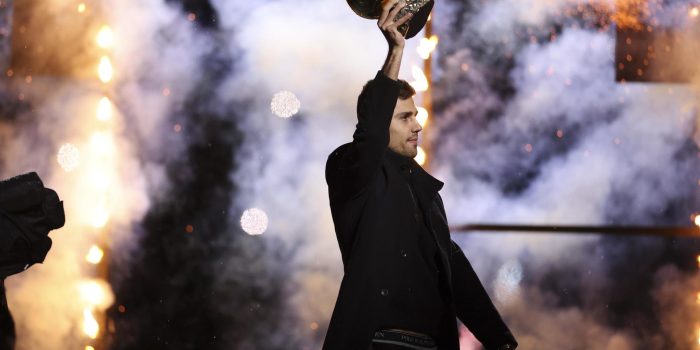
(405,280)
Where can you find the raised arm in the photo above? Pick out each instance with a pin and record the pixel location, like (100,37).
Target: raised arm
(393,37)
(350,169)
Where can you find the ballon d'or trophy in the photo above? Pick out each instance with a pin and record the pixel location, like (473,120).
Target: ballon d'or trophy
(372,9)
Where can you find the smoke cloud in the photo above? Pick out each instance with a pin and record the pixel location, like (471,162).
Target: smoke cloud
(529,127)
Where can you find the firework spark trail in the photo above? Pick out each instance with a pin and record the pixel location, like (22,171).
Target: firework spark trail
(49,302)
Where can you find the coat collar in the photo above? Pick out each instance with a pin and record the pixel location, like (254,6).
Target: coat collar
(418,175)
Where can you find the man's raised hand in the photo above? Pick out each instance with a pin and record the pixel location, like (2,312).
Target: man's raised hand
(389,25)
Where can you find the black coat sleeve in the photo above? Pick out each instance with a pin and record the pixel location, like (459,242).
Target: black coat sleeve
(7,325)
(474,307)
(349,169)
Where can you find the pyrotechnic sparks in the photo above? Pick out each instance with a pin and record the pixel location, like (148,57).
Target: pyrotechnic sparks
(102,143)
(254,221)
(100,179)
(285,104)
(100,217)
(422,116)
(104,109)
(94,255)
(105,37)
(93,293)
(421,156)
(104,70)
(420,84)
(427,46)
(68,157)
(631,13)
(90,325)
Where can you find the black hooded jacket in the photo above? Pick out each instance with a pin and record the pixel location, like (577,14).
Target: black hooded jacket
(383,206)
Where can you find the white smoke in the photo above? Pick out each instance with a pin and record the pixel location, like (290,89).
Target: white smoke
(156,50)
(623,140)
(621,134)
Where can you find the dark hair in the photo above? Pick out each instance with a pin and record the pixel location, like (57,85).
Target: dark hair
(406,91)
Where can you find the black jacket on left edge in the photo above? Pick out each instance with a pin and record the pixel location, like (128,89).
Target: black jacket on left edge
(28,212)
(376,224)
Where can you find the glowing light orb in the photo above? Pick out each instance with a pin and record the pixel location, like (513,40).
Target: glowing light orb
(421,156)
(420,84)
(422,116)
(427,46)
(88,347)
(694,12)
(697,222)
(81,8)
(104,109)
(90,325)
(104,70)
(94,255)
(105,37)
(68,157)
(285,104)
(254,221)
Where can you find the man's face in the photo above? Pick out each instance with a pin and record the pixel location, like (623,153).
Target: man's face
(404,129)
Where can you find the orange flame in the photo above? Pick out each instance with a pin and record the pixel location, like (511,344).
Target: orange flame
(422,116)
(420,84)
(105,37)
(90,325)
(421,156)
(94,255)
(427,46)
(105,70)
(632,14)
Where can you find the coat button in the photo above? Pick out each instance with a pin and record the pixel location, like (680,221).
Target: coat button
(384,292)
(404,254)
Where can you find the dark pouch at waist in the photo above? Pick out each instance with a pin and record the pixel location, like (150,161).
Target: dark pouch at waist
(408,340)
